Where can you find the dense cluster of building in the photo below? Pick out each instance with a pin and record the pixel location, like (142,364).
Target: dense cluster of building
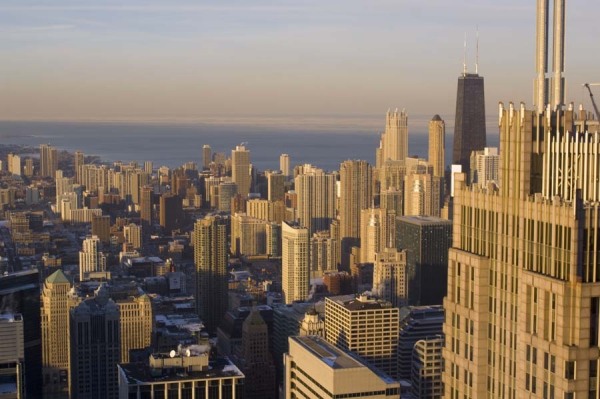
(400,279)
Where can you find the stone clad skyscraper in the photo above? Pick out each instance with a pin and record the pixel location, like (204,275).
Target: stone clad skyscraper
(437,145)
(393,144)
(469,125)
(523,304)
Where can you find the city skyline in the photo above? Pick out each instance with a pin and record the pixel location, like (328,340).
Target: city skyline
(143,61)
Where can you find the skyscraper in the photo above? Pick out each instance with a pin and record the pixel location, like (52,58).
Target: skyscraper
(240,169)
(20,294)
(55,342)
(210,257)
(275,186)
(101,228)
(136,322)
(48,160)
(390,277)
(469,125)
(426,240)
(356,194)
(295,262)
(171,212)
(393,144)
(94,347)
(78,162)
(437,145)
(316,198)
(366,326)
(284,164)
(257,363)
(146,205)
(206,156)
(90,258)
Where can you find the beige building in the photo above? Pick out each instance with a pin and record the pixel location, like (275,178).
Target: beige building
(356,194)
(315,368)
(324,251)
(366,326)
(55,340)
(437,145)
(523,288)
(316,191)
(266,210)
(137,322)
(284,164)
(48,161)
(133,235)
(248,235)
(393,144)
(240,169)
(422,191)
(426,368)
(484,166)
(377,231)
(295,263)
(390,277)
(90,258)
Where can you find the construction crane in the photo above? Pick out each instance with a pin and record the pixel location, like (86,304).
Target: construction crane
(587,85)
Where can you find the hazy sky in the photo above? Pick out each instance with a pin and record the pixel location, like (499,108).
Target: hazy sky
(176,58)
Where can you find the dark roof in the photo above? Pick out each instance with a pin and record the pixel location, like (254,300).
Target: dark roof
(436,117)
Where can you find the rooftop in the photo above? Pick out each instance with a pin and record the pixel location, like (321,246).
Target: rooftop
(424,220)
(142,373)
(327,353)
(361,302)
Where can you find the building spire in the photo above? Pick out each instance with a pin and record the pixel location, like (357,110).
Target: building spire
(477,52)
(465,55)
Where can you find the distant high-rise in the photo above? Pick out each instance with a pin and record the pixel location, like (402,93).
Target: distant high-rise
(356,194)
(133,235)
(240,169)
(78,162)
(295,263)
(206,156)
(210,257)
(136,321)
(275,186)
(94,347)
(146,205)
(101,228)
(316,198)
(437,145)
(469,125)
(48,160)
(284,164)
(90,258)
(28,169)
(227,191)
(14,164)
(393,144)
(171,212)
(55,342)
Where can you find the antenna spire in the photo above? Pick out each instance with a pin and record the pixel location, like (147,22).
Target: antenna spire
(477,53)
(465,56)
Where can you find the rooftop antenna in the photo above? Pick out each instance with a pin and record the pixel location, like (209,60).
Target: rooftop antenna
(477,53)
(465,56)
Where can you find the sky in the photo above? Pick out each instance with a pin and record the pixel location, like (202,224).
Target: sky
(178,59)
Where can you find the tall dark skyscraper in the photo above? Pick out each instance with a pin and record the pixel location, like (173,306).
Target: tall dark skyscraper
(211,256)
(20,293)
(469,127)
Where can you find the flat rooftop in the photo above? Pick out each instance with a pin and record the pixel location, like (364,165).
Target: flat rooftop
(141,373)
(327,353)
(361,302)
(424,220)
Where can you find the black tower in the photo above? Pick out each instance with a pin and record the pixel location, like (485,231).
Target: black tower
(469,127)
